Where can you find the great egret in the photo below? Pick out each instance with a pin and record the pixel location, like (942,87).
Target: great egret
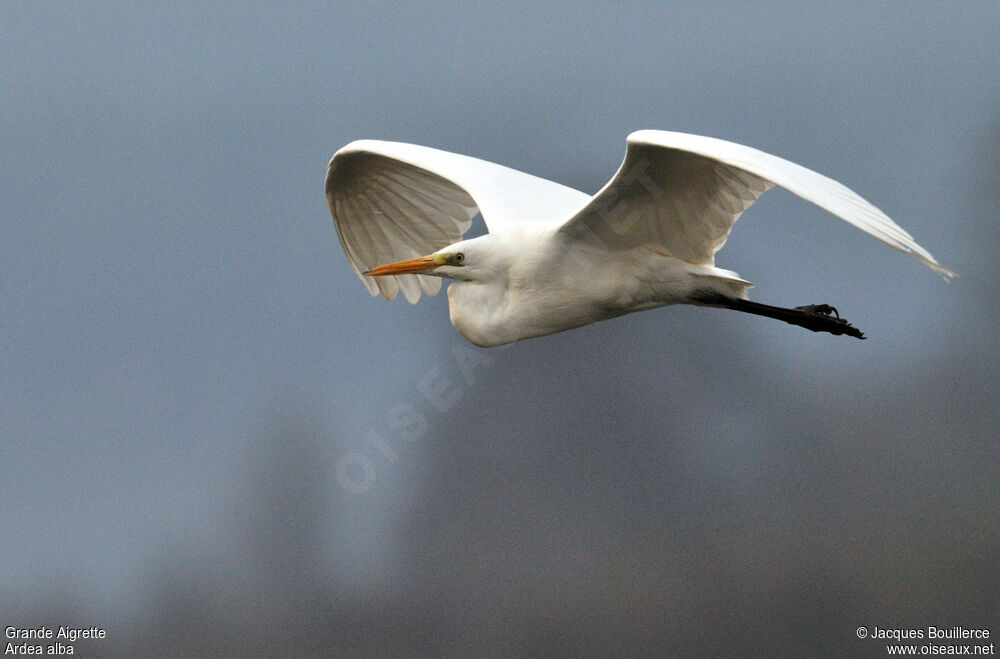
(556,258)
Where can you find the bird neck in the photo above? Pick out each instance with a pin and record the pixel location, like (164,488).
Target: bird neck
(479,312)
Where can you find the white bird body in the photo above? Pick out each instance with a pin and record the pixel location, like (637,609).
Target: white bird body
(556,258)
(545,284)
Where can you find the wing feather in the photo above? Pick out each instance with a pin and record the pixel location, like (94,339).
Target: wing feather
(392,201)
(690,190)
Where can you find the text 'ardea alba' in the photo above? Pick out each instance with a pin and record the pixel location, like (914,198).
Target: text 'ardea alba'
(556,258)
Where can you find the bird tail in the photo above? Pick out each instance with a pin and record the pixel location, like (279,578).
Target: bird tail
(724,282)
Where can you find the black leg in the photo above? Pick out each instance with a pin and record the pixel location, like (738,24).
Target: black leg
(815,317)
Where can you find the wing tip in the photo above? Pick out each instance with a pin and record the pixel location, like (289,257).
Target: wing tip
(925,257)
(946,273)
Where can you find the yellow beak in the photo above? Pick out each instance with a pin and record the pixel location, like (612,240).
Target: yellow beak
(409,266)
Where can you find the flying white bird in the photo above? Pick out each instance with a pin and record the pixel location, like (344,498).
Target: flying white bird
(556,258)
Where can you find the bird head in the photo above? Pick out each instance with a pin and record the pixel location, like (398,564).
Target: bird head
(463,260)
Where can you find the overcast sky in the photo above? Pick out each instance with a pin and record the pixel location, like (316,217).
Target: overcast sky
(181,335)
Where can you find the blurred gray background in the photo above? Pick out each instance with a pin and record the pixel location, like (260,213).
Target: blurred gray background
(215,442)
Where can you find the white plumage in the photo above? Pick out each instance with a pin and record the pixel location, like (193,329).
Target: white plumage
(556,258)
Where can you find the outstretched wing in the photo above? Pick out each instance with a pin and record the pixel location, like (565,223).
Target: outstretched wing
(682,193)
(392,201)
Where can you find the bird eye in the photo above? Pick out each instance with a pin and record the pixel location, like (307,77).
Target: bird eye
(459,257)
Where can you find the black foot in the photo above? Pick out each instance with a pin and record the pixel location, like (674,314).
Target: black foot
(819,308)
(817,317)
